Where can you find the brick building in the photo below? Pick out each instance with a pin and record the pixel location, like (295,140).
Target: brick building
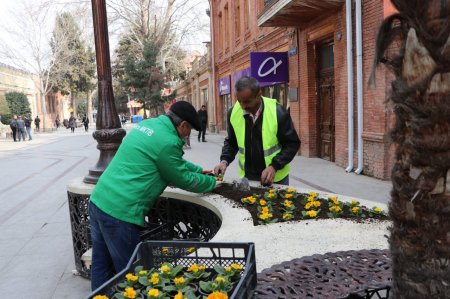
(197,87)
(313,34)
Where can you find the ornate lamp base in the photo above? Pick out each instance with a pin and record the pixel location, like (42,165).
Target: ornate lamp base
(109,141)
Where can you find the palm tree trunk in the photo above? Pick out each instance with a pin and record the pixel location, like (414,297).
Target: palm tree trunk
(420,204)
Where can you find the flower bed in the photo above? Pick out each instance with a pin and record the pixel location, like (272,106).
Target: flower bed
(276,205)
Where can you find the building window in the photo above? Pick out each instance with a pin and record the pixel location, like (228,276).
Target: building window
(220,33)
(226,25)
(237,19)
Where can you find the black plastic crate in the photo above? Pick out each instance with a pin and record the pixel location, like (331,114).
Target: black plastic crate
(150,254)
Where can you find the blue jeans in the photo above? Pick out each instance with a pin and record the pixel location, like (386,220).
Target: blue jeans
(113,243)
(29,133)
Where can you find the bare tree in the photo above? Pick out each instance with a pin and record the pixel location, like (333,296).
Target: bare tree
(32,48)
(171,26)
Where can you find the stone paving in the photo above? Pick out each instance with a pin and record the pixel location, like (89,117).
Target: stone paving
(36,256)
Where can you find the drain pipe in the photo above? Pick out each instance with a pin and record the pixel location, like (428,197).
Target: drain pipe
(350,108)
(359,82)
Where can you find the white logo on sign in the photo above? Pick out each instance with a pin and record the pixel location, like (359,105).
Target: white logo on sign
(274,68)
(223,87)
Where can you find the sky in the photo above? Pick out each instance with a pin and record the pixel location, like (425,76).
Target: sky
(8,9)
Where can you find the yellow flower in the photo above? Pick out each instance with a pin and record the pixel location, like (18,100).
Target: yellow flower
(131,277)
(290,190)
(311,214)
(220,279)
(264,216)
(191,249)
(142,273)
(153,293)
(263,202)
(179,280)
(193,268)
(311,198)
(179,296)
(335,209)
(165,250)
(129,293)
(377,210)
(265,210)
(101,297)
(312,194)
(355,210)
(288,216)
(334,200)
(155,275)
(354,202)
(228,269)
(316,204)
(287,203)
(202,267)
(165,269)
(308,205)
(154,280)
(288,195)
(271,190)
(270,196)
(217,295)
(237,267)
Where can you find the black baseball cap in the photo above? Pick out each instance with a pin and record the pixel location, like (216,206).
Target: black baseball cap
(187,112)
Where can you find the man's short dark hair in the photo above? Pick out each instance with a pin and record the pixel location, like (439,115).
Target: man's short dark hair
(247,82)
(203,106)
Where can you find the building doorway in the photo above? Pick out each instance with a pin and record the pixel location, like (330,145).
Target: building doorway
(325,101)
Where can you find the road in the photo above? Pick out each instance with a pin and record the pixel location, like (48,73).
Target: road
(36,255)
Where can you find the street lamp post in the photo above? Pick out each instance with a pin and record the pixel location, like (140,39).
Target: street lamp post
(109,133)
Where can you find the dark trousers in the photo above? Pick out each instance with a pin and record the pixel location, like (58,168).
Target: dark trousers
(202,132)
(14,133)
(86,127)
(113,243)
(21,132)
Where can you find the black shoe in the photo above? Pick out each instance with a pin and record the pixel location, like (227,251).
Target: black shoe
(204,141)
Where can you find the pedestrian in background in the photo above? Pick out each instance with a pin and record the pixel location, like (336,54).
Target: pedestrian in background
(86,123)
(72,123)
(28,126)
(37,122)
(57,122)
(149,159)
(203,116)
(13,126)
(21,128)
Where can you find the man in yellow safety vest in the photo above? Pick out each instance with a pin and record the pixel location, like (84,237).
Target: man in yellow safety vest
(261,132)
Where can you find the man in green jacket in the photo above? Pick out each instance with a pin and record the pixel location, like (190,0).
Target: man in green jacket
(149,158)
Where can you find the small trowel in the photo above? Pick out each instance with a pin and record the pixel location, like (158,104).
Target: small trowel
(243,185)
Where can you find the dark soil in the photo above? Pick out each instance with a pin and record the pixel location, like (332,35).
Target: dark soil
(235,196)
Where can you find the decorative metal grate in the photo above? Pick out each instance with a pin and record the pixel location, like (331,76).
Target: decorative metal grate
(169,219)
(349,274)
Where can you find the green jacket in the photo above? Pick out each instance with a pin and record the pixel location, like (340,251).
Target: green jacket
(149,158)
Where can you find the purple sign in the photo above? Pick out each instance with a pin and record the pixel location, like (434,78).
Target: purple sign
(224,85)
(239,74)
(270,68)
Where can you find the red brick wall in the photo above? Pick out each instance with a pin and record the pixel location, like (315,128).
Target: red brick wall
(302,72)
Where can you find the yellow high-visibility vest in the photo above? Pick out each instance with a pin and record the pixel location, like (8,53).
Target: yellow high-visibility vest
(271,145)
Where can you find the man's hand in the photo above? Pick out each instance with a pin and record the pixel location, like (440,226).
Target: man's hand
(221,168)
(267,176)
(207,171)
